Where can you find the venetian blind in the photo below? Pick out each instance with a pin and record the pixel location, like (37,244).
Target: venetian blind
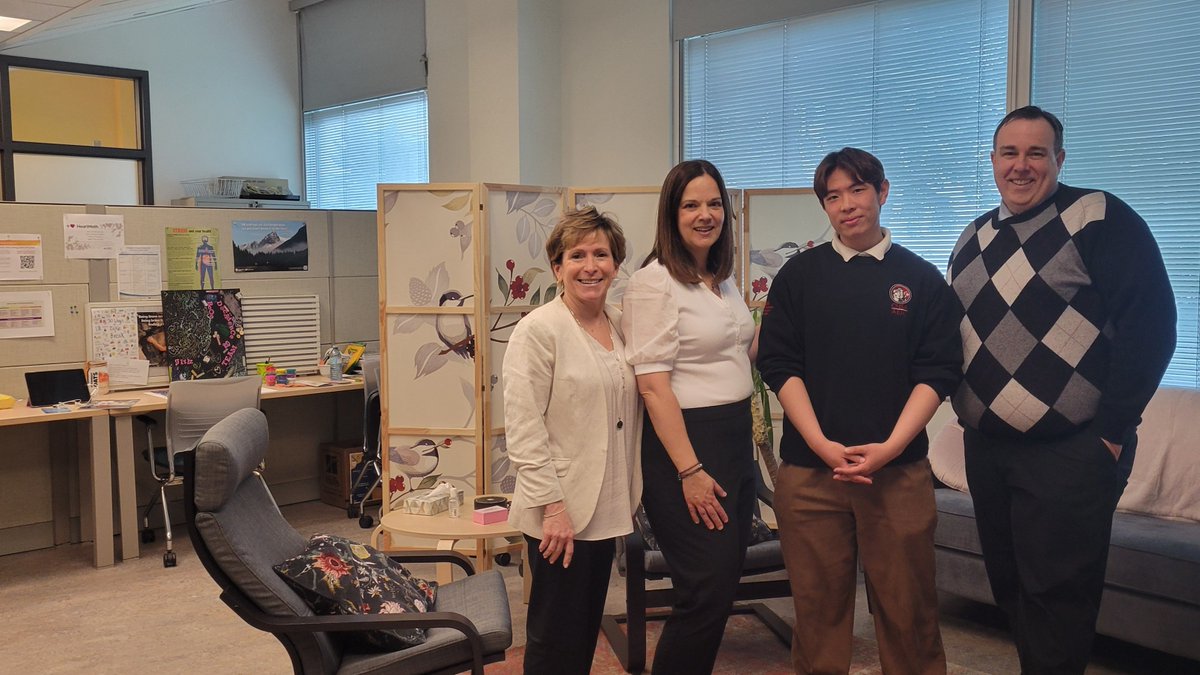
(1123,77)
(350,148)
(919,83)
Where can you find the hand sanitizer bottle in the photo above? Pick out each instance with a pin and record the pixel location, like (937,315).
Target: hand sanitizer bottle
(454,506)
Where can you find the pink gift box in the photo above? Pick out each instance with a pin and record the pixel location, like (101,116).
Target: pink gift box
(489,515)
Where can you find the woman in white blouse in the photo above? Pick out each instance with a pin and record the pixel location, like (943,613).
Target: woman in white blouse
(690,339)
(573,422)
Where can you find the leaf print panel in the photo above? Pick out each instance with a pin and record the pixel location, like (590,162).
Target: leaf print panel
(428,235)
(519,221)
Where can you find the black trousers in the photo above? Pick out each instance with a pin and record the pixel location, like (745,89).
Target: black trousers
(706,565)
(1044,512)
(565,607)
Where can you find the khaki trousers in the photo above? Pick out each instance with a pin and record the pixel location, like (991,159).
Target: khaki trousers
(825,526)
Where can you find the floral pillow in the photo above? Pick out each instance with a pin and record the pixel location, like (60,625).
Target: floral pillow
(338,576)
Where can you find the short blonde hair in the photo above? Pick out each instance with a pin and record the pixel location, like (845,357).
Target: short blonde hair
(574,226)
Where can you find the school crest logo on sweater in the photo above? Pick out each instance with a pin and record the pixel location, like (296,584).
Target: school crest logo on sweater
(900,295)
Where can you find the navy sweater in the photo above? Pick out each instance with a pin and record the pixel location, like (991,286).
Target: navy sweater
(861,335)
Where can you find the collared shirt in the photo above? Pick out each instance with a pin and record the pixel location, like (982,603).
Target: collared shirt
(877,251)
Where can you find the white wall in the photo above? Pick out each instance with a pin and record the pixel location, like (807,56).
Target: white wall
(224,92)
(573,92)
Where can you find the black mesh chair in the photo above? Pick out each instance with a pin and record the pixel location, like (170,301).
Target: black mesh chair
(368,475)
(638,562)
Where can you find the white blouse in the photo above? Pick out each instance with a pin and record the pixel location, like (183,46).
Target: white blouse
(703,340)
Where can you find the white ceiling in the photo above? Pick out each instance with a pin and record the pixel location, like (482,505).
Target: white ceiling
(56,18)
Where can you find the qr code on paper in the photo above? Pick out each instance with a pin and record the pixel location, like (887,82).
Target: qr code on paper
(26,262)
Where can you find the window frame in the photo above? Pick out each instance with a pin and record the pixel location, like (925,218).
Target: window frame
(9,147)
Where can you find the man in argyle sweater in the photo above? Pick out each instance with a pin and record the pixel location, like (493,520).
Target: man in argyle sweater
(1069,325)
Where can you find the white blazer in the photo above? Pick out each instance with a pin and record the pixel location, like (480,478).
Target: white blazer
(555,422)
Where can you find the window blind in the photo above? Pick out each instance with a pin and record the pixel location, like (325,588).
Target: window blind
(348,149)
(919,83)
(1122,75)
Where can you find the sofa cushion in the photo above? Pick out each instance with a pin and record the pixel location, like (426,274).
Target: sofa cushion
(947,458)
(1155,556)
(1166,476)
(956,521)
(1148,555)
(338,576)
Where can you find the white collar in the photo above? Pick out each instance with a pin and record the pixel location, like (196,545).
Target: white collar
(877,251)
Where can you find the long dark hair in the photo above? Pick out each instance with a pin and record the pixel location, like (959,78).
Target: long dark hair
(668,244)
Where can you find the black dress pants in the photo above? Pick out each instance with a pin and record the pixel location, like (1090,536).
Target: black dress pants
(1044,512)
(706,565)
(565,607)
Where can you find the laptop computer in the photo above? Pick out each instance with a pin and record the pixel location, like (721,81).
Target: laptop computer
(48,387)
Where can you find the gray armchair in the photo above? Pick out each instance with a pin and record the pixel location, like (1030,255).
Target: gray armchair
(239,535)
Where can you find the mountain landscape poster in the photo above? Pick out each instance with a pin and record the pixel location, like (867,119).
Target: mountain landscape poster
(270,245)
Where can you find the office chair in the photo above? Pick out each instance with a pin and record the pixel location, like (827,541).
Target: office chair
(638,563)
(239,535)
(193,407)
(370,469)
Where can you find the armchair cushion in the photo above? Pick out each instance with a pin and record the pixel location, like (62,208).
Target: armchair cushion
(337,576)
(760,532)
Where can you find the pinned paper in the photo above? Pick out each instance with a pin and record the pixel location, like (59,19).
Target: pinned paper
(128,371)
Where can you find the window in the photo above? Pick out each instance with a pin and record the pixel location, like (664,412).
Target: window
(76,134)
(1122,76)
(919,83)
(349,148)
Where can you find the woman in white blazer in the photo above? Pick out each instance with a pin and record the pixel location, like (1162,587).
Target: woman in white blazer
(572,419)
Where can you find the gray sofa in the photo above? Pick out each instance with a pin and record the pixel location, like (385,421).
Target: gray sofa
(1152,586)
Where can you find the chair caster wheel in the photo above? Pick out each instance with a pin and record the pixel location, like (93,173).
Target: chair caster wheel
(503,559)
(169,559)
(351,512)
(365,521)
(147,536)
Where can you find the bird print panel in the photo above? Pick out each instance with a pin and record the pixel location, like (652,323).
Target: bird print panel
(781,223)
(417,463)
(428,237)
(431,370)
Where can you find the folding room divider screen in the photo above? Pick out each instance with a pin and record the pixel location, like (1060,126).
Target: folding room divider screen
(461,263)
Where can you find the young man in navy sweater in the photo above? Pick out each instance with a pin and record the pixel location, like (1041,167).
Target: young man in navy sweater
(1070,324)
(860,343)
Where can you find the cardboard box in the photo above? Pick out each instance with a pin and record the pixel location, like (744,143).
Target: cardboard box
(490,514)
(339,469)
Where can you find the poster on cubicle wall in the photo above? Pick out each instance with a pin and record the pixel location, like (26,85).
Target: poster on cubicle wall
(129,332)
(192,258)
(205,335)
(270,245)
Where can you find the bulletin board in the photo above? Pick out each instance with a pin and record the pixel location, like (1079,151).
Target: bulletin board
(131,330)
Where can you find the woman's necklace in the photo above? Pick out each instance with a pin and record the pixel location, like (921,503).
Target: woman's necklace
(620,367)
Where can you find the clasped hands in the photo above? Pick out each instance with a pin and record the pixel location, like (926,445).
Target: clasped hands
(856,463)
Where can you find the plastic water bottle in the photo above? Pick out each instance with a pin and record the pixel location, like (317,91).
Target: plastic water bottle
(335,364)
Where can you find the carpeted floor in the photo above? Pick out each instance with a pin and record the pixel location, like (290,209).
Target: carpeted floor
(64,616)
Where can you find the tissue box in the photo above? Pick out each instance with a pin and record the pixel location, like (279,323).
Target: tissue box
(427,505)
(430,503)
(489,515)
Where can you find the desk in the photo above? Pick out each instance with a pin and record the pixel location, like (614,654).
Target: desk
(98,510)
(448,531)
(147,402)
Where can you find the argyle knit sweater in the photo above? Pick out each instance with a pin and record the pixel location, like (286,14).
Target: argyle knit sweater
(1069,318)
(861,334)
